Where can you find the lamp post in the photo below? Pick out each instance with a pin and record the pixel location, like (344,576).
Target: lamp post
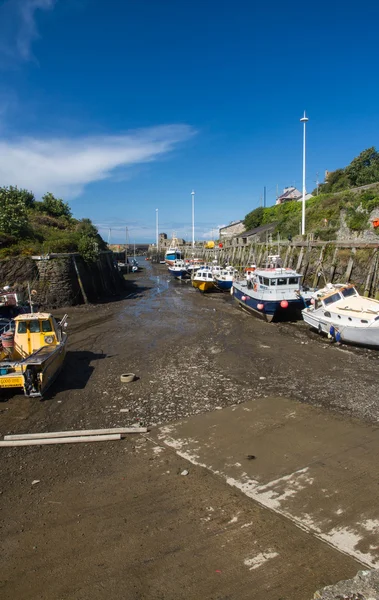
(193,218)
(303,120)
(156,233)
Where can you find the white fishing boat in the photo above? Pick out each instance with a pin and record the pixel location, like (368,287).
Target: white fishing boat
(275,293)
(340,312)
(178,269)
(224,280)
(173,253)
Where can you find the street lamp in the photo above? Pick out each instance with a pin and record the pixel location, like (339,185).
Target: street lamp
(157,231)
(193,218)
(303,120)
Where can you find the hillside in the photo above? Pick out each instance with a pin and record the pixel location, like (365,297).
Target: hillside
(340,205)
(28,226)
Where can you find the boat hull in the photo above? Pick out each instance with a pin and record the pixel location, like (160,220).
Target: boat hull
(270,310)
(223,285)
(357,336)
(178,274)
(203,286)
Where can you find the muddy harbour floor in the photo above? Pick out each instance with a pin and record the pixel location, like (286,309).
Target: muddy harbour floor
(182,512)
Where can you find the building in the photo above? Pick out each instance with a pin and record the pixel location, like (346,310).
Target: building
(234,228)
(258,234)
(291,193)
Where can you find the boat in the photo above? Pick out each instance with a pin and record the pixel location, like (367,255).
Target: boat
(178,269)
(224,280)
(32,352)
(340,312)
(274,293)
(173,253)
(203,279)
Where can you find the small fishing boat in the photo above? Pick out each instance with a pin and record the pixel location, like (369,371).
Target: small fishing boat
(203,279)
(173,253)
(224,280)
(274,293)
(341,313)
(32,352)
(178,269)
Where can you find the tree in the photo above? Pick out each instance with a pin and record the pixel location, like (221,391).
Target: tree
(254,218)
(364,169)
(55,207)
(13,211)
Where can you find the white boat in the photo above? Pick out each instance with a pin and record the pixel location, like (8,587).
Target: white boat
(203,279)
(178,269)
(173,253)
(340,312)
(224,280)
(274,292)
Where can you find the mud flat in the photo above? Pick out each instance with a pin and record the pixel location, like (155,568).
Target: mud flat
(120,519)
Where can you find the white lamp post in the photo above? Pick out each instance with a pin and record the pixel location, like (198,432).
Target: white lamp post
(303,120)
(193,218)
(156,231)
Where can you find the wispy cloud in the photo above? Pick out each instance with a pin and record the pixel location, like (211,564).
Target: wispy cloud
(66,166)
(18,28)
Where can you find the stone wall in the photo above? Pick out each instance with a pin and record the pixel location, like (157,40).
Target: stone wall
(62,279)
(364,586)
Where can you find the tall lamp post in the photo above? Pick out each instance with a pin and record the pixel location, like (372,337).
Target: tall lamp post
(156,232)
(193,218)
(303,120)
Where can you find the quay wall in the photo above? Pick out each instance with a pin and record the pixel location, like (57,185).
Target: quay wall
(319,262)
(59,280)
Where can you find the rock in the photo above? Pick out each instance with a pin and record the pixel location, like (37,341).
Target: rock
(364,586)
(185,472)
(35,481)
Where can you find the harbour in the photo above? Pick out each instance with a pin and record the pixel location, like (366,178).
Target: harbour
(257,436)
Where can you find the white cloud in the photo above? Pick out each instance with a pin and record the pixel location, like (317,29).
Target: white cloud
(18,28)
(65,166)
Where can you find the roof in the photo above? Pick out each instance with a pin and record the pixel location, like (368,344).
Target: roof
(31,316)
(289,193)
(232,224)
(260,229)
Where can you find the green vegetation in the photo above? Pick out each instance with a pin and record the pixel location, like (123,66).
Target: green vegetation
(28,226)
(323,212)
(363,170)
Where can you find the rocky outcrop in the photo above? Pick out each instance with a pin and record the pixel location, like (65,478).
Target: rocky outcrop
(364,586)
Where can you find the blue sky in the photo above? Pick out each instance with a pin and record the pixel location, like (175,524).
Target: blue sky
(122,107)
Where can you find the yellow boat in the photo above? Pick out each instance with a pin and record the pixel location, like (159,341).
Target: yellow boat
(32,353)
(203,279)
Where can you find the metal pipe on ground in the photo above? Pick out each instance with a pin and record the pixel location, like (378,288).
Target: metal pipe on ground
(64,440)
(79,433)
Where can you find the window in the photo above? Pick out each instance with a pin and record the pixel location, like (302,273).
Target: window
(46,326)
(282,281)
(34,326)
(332,298)
(266,281)
(293,281)
(327,314)
(348,292)
(364,321)
(260,279)
(21,327)
(272,281)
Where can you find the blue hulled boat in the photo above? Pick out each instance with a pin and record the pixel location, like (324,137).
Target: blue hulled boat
(275,293)
(224,279)
(173,253)
(178,269)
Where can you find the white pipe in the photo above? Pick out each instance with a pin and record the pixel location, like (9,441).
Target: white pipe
(84,432)
(65,440)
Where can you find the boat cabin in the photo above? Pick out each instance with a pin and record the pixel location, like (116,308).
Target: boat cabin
(32,332)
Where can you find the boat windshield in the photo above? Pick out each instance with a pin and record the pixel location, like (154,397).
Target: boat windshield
(347,292)
(333,298)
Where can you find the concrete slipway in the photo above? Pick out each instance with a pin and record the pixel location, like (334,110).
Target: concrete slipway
(319,471)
